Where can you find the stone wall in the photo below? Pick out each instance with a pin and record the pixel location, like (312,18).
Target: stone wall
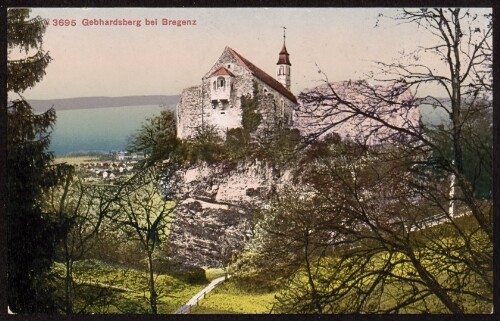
(272,119)
(188,112)
(227,117)
(214,219)
(273,105)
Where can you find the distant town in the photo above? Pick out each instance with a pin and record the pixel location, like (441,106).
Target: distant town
(106,167)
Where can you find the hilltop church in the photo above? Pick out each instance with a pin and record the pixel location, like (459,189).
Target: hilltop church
(213,219)
(217,101)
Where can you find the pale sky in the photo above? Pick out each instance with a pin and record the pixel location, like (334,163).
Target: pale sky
(162,60)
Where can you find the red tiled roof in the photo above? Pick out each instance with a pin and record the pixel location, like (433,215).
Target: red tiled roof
(221,72)
(262,75)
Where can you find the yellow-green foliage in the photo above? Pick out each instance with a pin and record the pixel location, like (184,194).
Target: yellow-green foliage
(126,289)
(73,160)
(342,279)
(227,298)
(212,274)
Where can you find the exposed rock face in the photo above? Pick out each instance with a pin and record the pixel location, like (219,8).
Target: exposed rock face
(320,111)
(214,218)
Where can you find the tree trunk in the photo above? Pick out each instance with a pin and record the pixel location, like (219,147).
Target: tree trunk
(314,294)
(152,292)
(433,285)
(69,286)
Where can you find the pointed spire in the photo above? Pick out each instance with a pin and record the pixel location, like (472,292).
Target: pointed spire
(283,56)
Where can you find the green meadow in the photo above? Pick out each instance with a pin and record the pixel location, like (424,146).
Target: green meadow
(229,299)
(117,289)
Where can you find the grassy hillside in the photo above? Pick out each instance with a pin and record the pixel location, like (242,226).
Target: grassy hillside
(227,298)
(117,289)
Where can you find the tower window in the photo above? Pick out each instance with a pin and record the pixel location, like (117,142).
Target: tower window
(282,70)
(221,82)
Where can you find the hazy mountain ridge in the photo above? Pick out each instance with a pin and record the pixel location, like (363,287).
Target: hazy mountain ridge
(169,101)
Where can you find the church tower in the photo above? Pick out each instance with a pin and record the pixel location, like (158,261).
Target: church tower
(283,65)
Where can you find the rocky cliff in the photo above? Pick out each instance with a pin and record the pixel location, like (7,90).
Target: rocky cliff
(214,218)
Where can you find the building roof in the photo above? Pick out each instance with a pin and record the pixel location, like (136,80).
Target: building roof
(221,72)
(262,75)
(283,57)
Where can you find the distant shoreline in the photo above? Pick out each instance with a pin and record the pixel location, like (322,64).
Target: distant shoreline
(39,105)
(42,109)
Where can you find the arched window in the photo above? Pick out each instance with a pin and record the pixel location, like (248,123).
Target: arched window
(282,108)
(265,91)
(215,85)
(282,70)
(221,82)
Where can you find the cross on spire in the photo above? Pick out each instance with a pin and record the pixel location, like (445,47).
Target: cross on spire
(283,68)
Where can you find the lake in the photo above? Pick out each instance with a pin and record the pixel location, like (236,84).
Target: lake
(98,129)
(102,130)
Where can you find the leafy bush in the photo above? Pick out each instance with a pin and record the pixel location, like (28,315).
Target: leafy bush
(251,273)
(188,274)
(205,146)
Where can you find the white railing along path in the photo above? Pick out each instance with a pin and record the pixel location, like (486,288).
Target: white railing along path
(200,295)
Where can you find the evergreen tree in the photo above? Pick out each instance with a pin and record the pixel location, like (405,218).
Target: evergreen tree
(25,36)
(31,236)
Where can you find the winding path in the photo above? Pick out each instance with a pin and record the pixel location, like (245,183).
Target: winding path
(200,295)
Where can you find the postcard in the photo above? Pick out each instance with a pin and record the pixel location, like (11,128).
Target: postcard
(249,160)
